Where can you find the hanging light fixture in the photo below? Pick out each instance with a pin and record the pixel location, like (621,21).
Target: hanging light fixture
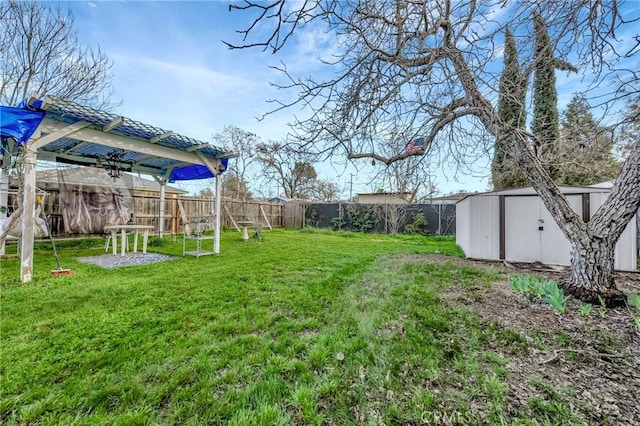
(114,160)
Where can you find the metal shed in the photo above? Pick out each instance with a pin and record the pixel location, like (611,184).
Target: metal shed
(514,225)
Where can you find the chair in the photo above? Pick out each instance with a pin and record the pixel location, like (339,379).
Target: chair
(108,241)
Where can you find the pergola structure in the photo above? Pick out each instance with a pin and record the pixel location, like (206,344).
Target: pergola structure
(58,130)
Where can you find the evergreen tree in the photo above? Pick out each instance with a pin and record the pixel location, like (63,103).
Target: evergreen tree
(511,102)
(628,138)
(545,123)
(584,152)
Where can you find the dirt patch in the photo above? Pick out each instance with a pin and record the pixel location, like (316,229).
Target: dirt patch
(591,363)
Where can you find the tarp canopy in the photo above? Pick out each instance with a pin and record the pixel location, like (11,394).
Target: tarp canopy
(18,123)
(76,134)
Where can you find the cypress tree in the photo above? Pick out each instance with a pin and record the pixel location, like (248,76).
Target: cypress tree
(511,100)
(545,125)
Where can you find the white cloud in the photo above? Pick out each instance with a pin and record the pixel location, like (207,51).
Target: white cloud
(194,100)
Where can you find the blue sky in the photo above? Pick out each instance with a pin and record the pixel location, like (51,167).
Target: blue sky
(172,70)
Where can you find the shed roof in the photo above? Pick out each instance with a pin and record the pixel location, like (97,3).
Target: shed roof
(529,190)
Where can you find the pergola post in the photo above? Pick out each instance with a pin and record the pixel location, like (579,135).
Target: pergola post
(4,199)
(163,188)
(28,207)
(216,241)
(162,180)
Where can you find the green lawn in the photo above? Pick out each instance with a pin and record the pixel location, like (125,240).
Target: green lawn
(305,327)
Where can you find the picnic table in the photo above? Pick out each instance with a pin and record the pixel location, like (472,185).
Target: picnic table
(122,230)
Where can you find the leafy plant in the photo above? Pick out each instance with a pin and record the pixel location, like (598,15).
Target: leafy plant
(520,283)
(555,296)
(533,287)
(419,225)
(337,223)
(586,309)
(603,306)
(361,221)
(634,299)
(527,285)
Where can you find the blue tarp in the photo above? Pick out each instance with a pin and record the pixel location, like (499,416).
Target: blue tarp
(193,172)
(18,123)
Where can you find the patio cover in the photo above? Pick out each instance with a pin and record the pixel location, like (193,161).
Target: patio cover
(54,129)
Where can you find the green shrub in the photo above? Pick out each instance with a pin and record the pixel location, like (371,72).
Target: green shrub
(362,221)
(337,223)
(418,226)
(157,242)
(314,218)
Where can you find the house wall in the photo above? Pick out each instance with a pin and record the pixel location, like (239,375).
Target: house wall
(381,199)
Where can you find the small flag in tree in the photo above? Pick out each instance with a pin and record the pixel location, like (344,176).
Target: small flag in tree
(415,145)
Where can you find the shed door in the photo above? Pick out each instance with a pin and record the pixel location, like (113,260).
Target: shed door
(521,234)
(532,235)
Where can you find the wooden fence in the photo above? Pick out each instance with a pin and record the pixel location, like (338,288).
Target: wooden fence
(186,209)
(180,209)
(196,208)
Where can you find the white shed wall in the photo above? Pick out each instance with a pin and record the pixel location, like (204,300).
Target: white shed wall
(626,247)
(478,233)
(463,225)
(531,234)
(478,229)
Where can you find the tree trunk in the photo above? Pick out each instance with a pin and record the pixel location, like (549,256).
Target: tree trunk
(592,280)
(593,243)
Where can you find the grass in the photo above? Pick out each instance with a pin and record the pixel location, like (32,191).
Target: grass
(305,327)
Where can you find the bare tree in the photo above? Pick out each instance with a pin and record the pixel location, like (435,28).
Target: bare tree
(393,216)
(411,175)
(235,188)
(41,53)
(244,144)
(287,165)
(326,190)
(431,65)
